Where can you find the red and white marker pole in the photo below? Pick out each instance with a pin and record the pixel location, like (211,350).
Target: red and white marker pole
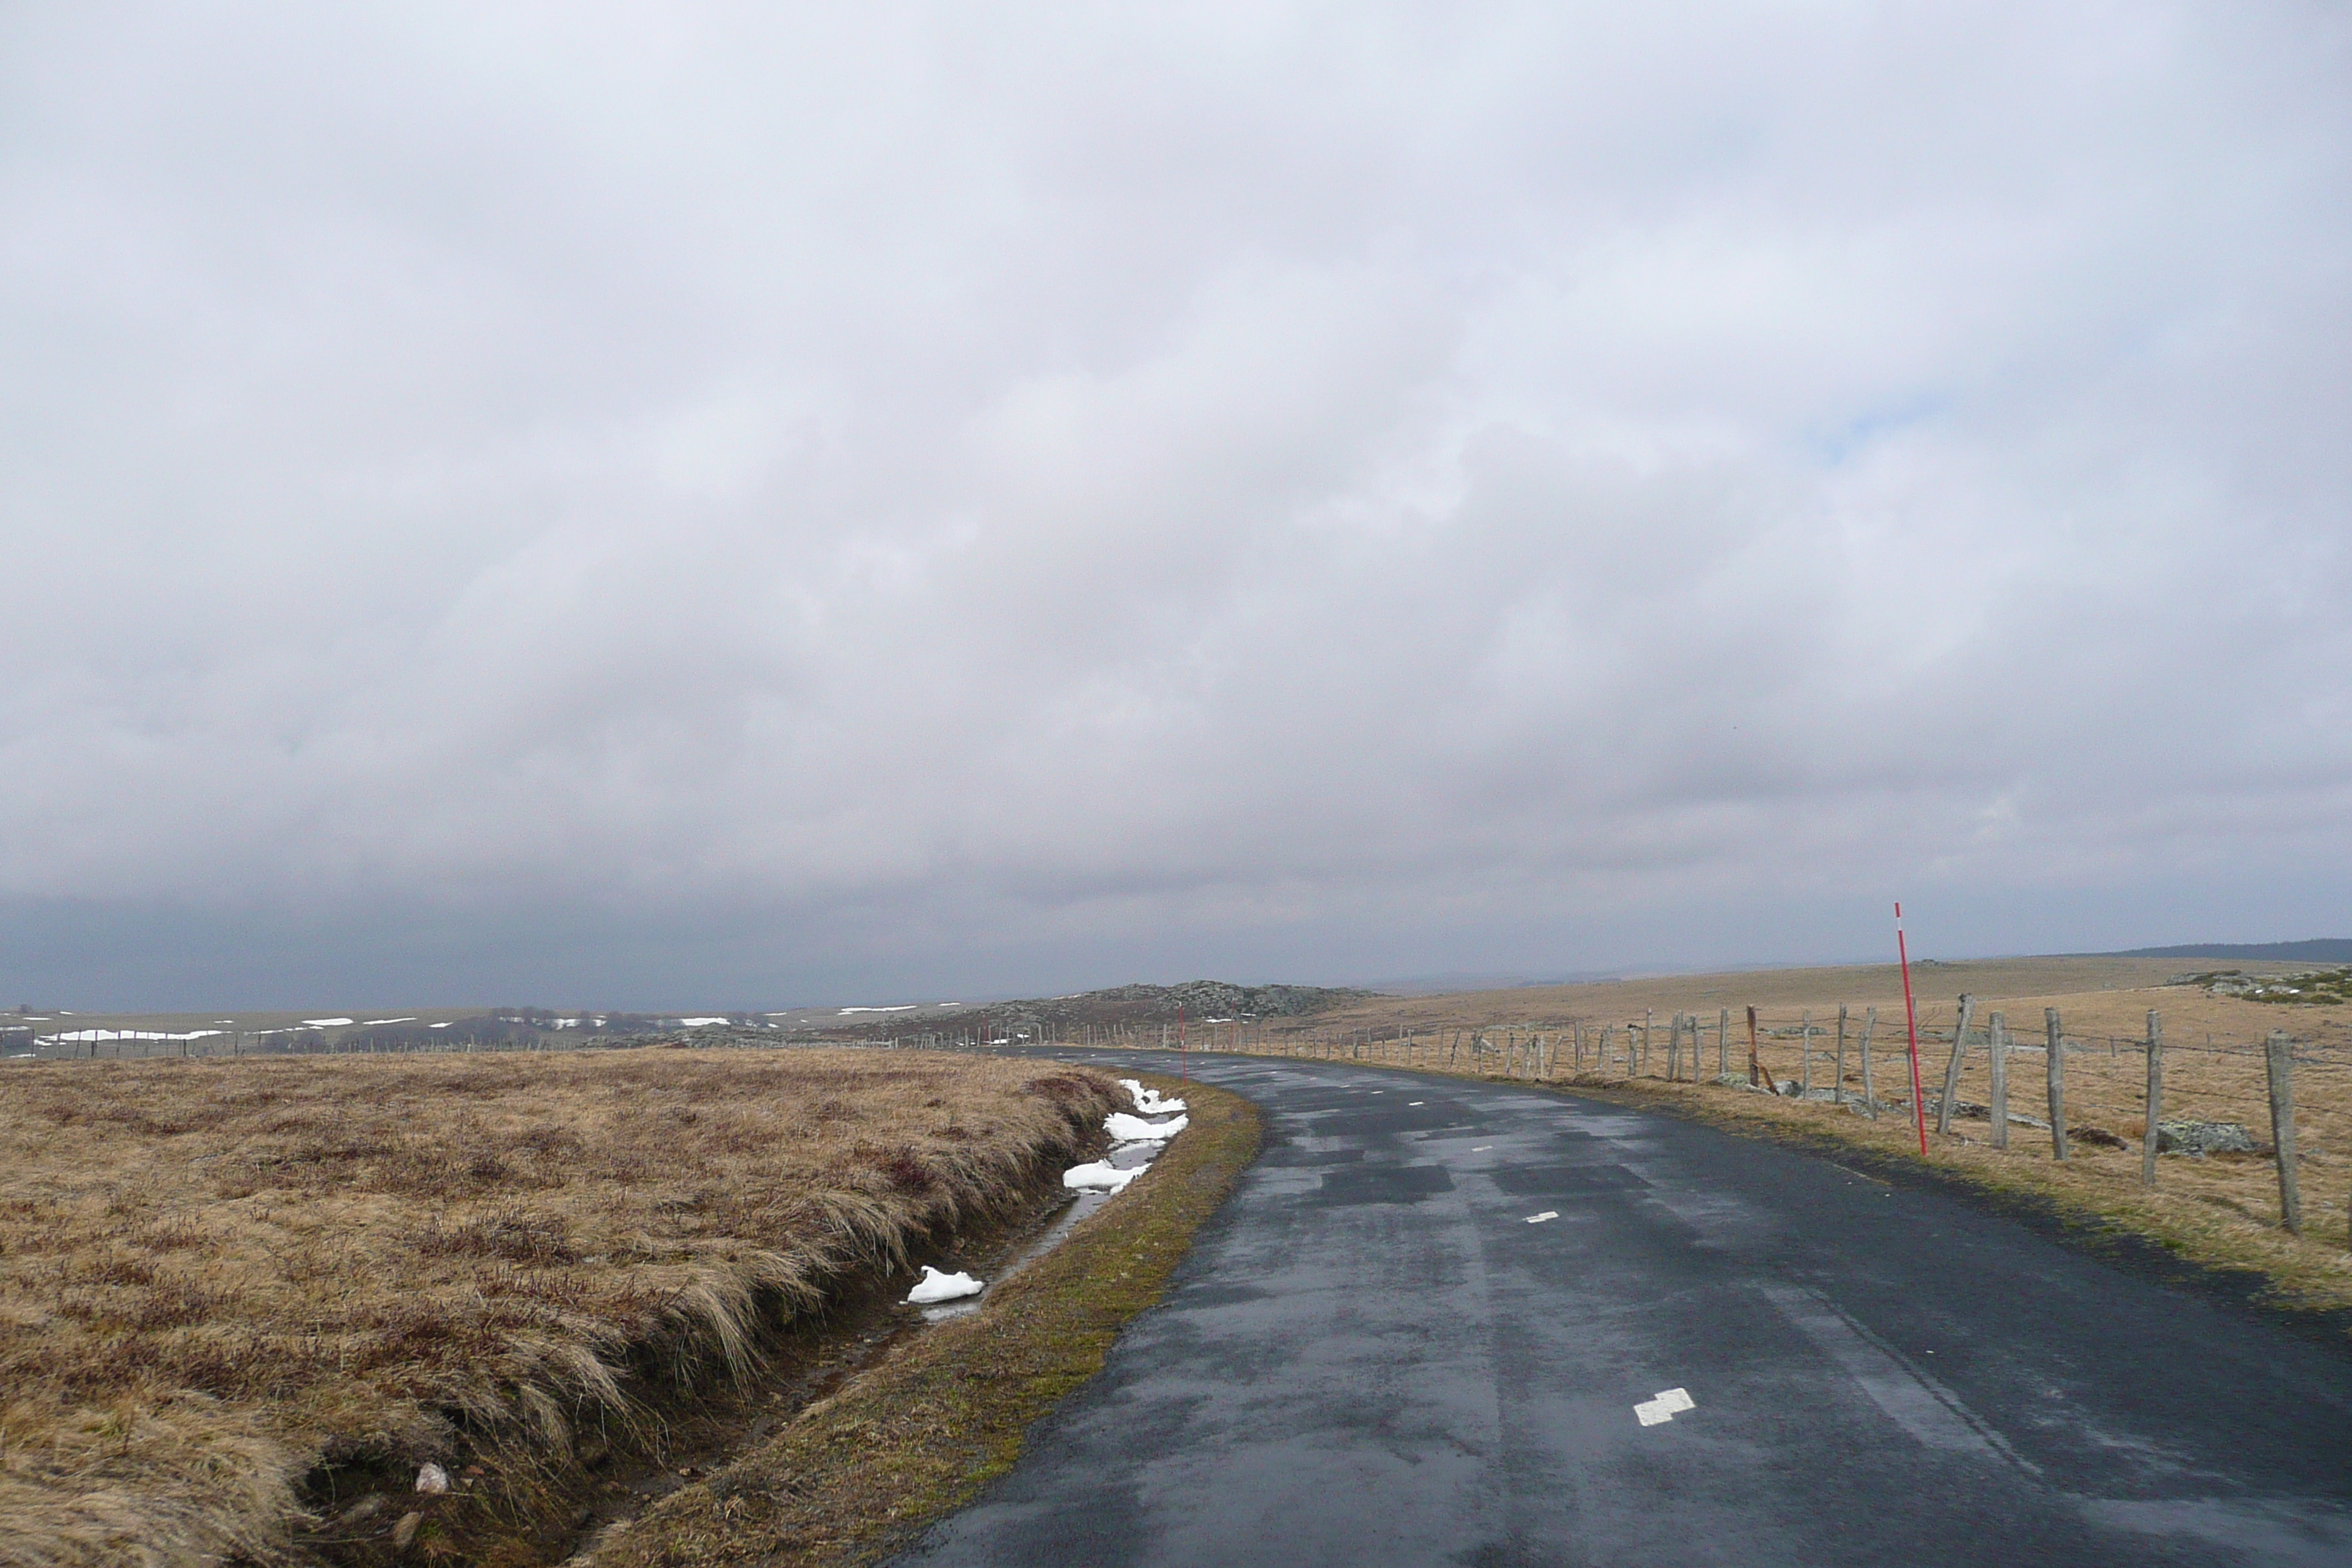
(1911,1014)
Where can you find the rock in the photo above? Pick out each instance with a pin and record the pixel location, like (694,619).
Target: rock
(2204,1138)
(2098,1137)
(406,1530)
(433,1479)
(367,1507)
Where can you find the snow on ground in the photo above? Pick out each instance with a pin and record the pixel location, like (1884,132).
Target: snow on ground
(1125,1129)
(1101,1176)
(325,1023)
(371,1023)
(938,1287)
(699,1023)
(1147,1101)
(75,1037)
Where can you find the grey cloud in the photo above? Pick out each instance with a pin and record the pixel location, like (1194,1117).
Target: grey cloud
(795,500)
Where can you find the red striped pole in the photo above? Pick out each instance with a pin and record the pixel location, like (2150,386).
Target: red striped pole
(1911,1013)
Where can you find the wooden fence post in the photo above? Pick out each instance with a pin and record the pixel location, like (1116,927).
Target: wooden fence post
(1723,1044)
(1805,1077)
(1869,1094)
(2147,1149)
(1753,1066)
(1952,1067)
(2278,1056)
(1997,1047)
(1646,1016)
(1837,1093)
(2057,1083)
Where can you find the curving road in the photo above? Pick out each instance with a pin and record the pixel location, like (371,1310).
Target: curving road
(1371,1356)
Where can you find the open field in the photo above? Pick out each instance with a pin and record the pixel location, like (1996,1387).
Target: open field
(2100,995)
(223,1285)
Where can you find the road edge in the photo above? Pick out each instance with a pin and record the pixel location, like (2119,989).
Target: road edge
(857,1477)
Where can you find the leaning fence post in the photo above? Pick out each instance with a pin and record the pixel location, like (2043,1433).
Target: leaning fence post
(2278,1057)
(1997,1047)
(1952,1067)
(2057,1083)
(1753,1066)
(1723,1044)
(2147,1143)
(1837,1092)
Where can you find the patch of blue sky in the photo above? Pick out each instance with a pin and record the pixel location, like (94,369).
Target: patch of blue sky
(1843,443)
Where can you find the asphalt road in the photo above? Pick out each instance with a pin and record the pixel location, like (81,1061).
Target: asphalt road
(1371,1356)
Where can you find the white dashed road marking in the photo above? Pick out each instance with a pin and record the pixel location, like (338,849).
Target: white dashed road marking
(1669,1403)
(1539,1219)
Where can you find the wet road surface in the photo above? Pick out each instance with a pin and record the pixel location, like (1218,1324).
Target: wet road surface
(1372,1356)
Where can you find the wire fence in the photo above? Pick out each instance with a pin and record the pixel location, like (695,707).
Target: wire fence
(2262,1127)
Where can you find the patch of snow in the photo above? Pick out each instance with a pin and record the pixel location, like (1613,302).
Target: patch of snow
(939,1287)
(1669,1403)
(1101,1176)
(324,1023)
(903,1007)
(73,1036)
(437,1026)
(1125,1129)
(371,1023)
(699,1023)
(1147,1101)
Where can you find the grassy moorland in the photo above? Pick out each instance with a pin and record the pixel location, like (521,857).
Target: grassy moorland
(224,1284)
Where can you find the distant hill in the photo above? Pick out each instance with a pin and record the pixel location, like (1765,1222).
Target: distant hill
(2318,950)
(1132,1005)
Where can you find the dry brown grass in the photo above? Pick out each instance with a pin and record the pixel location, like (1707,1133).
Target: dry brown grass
(216,1277)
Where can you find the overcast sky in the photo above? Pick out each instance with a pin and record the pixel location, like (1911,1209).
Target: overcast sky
(696,505)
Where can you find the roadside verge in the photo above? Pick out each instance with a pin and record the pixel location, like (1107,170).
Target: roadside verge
(910,1440)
